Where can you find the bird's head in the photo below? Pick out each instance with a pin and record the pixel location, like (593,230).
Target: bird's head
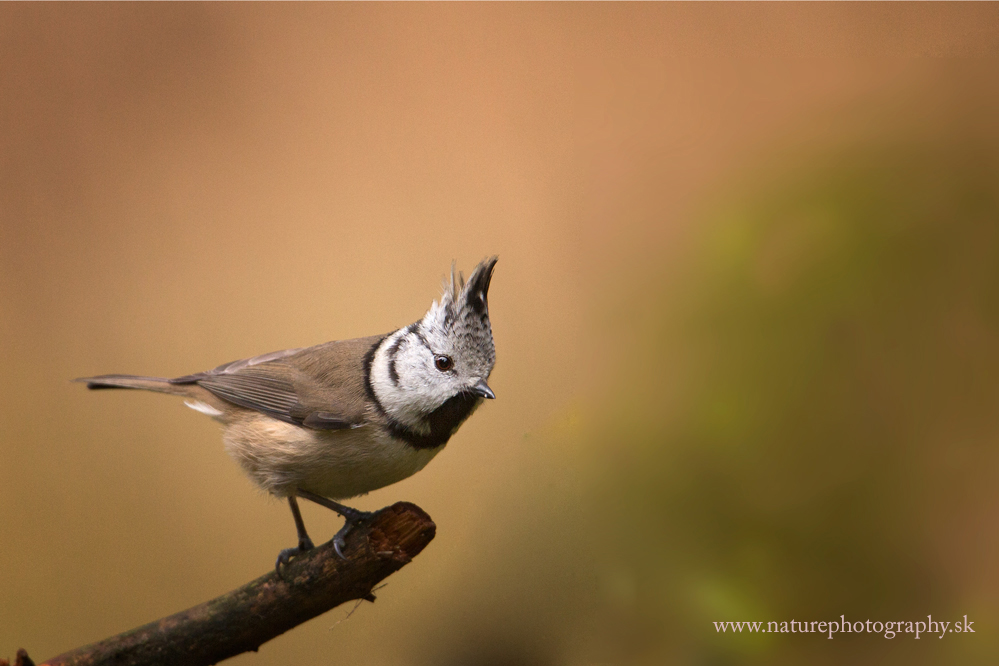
(446,356)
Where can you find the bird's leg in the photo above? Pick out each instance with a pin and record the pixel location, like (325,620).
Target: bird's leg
(352,517)
(304,542)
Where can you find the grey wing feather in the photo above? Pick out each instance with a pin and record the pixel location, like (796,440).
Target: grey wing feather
(271,395)
(274,386)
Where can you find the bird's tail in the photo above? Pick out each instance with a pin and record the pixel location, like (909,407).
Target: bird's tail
(157,384)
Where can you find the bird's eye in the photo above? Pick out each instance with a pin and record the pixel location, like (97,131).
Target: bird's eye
(443,363)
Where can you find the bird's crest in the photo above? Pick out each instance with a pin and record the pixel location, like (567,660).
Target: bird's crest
(462,301)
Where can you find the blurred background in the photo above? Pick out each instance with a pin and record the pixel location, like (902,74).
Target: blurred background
(746,315)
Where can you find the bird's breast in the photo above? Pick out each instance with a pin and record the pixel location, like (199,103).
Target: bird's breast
(281,457)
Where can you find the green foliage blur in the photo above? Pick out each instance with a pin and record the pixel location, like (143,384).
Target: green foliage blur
(831,447)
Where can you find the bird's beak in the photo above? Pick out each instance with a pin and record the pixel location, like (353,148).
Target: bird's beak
(482,390)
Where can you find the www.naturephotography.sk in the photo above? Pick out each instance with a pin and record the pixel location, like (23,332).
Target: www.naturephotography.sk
(841,626)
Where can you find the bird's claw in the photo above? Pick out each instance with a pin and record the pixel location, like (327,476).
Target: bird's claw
(284,557)
(351,520)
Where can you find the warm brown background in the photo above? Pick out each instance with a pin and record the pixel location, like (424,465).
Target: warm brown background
(183,185)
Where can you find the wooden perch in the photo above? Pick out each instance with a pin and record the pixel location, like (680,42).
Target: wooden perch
(245,618)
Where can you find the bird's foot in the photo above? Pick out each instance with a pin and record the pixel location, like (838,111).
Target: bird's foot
(352,518)
(284,557)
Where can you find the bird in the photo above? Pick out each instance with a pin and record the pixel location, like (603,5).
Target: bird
(340,419)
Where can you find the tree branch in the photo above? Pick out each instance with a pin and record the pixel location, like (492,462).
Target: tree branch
(246,618)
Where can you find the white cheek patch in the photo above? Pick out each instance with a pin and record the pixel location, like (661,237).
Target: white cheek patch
(199,406)
(398,378)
